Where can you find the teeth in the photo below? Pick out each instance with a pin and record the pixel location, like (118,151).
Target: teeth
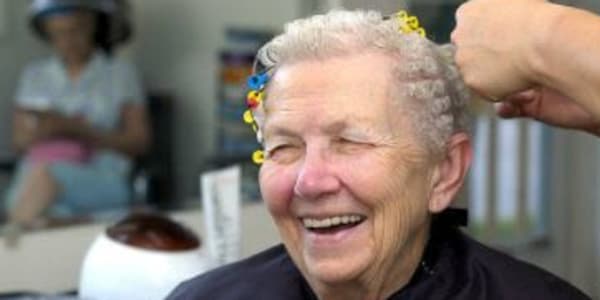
(311,223)
(335,221)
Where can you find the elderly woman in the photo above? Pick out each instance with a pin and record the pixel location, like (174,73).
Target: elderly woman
(79,117)
(365,136)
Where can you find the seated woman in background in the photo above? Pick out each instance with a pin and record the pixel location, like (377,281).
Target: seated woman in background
(364,127)
(79,117)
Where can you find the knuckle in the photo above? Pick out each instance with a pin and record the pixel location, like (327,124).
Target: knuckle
(471,80)
(454,36)
(459,58)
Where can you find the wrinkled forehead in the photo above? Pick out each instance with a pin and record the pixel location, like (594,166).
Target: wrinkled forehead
(351,88)
(358,78)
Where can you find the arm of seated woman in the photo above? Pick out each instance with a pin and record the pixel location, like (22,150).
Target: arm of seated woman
(132,136)
(31,127)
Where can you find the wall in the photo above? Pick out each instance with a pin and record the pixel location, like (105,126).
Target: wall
(577,202)
(594,5)
(176,48)
(574,192)
(385,6)
(17,47)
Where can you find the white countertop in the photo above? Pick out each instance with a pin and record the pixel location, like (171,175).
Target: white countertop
(49,261)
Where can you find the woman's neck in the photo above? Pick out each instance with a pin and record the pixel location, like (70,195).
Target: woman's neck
(384,280)
(74,71)
(76,66)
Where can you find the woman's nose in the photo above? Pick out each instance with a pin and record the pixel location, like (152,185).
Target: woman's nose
(316,178)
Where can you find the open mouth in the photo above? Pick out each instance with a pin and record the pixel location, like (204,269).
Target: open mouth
(333,224)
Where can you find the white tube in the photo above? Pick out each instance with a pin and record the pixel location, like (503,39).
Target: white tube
(221,193)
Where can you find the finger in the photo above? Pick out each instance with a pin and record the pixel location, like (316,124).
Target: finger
(507,110)
(523,97)
(459,12)
(455,32)
(454,37)
(479,94)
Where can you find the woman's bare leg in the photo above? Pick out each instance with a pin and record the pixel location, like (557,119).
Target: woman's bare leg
(37,193)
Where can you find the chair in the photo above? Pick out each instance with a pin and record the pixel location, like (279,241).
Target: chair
(152,176)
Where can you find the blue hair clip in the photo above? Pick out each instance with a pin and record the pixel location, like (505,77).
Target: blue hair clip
(257,82)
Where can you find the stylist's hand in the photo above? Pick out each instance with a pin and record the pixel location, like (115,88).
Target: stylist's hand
(550,107)
(494,44)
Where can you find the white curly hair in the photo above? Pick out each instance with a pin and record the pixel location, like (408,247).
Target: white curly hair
(424,71)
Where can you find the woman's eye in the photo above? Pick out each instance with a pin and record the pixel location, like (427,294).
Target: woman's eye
(276,149)
(348,146)
(280,152)
(345,141)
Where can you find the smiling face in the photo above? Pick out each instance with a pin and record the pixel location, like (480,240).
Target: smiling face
(345,178)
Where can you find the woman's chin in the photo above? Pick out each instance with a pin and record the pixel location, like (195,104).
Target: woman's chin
(335,270)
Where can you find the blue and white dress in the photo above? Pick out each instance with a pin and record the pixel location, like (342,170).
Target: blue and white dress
(105,86)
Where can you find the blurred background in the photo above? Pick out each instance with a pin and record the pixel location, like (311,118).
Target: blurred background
(533,191)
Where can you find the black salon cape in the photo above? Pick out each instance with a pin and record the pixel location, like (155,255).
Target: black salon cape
(453,267)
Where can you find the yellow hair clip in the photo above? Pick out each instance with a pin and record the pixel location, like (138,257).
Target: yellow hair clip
(409,24)
(402,14)
(248,117)
(254,98)
(258,157)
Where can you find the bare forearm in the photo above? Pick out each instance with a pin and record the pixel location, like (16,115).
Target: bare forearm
(130,144)
(32,127)
(567,55)
(21,142)
(133,136)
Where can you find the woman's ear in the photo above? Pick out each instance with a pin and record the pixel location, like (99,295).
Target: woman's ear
(450,172)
